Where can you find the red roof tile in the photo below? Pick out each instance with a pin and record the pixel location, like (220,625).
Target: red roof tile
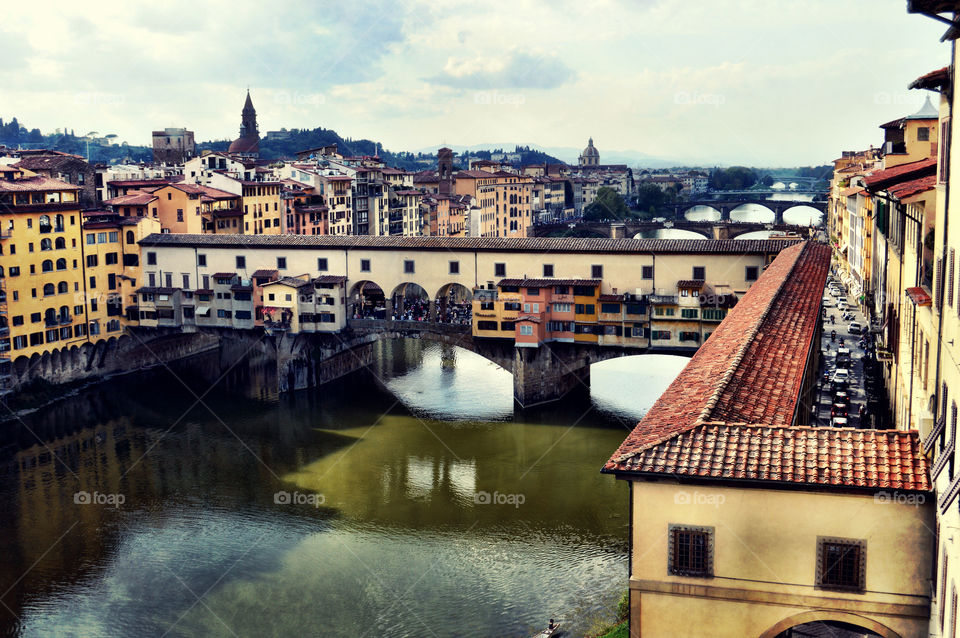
(919,296)
(911,170)
(730,413)
(934,80)
(913,187)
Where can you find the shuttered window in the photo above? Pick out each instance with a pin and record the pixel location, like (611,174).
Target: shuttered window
(950,279)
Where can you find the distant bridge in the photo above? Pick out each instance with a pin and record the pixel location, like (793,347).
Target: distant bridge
(629,229)
(725,207)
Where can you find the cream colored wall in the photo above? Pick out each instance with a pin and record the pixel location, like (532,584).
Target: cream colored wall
(766,543)
(620,271)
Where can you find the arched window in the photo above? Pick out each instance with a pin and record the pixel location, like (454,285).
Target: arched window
(50,315)
(46,244)
(59,243)
(62,288)
(61,264)
(47,265)
(45,226)
(64,312)
(59,225)
(1,271)
(49,289)
(131,238)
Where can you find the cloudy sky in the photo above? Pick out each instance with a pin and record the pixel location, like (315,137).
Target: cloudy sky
(719,81)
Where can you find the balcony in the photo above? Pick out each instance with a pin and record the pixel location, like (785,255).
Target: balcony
(53,322)
(663,299)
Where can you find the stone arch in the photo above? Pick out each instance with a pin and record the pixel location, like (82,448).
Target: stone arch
(696,218)
(793,207)
(410,301)
(367,300)
(20,365)
(453,304)
(829,616)
(738,207)
(56,362)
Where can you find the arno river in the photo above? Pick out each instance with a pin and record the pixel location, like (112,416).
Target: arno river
(354,510)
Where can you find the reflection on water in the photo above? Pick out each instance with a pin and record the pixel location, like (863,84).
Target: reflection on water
(361,507)
(752,213)
(668,233)
(701,213)
(757,234)
(803,216)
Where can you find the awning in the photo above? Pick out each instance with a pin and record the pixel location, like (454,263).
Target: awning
(843,247)
(203,312)
(919,296)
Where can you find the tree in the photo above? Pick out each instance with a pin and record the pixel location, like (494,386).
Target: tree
(733,178)
(607,205)
(767,181)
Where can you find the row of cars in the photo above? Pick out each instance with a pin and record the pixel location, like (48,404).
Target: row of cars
(839,375)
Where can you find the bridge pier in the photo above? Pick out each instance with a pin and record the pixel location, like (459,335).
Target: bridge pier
(546,374)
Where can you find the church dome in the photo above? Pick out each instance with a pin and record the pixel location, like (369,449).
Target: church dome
(245,145)
(591,150)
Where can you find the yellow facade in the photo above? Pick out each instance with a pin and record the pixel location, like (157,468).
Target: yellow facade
(261,208)
(42,266)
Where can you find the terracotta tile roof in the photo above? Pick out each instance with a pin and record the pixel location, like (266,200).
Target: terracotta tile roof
(38,183)
(224,275)
(163,181)
(55,162)
(905,190)
(934,80)
(505,244)
(911,170)
(730,413)
(691,283)
(136,198)
(264,272)
(546,283)
(820,456)
(330,279)
(610,297)
(291,281)
(853,190)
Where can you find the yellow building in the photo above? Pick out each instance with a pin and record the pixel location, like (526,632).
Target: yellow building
(41,265)
(261,207)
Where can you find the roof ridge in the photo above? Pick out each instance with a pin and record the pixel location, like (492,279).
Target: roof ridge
(748,341)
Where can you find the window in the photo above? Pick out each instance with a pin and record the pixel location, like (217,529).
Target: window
(486,325)
(454,267)
(201,260)
(596,271)
(526,330)
(548,270)
(91,238)
(241,261)
(281,263)
(751,273)
(688,313)
(690,551)
(91,261)
(93,282)
(841,563)
(110,258)
(699,272)
(923,134)
(152,259)
(47,265)
(364,265)
(610,308)
(322,264)
(408,266)
(646,272)
(499,270)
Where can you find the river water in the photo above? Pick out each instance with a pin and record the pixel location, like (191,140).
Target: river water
(355,510)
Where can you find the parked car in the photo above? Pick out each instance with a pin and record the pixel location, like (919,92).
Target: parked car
(855,328)
(827,302)
(839,422)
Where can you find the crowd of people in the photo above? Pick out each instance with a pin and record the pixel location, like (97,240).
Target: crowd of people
(415,309)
